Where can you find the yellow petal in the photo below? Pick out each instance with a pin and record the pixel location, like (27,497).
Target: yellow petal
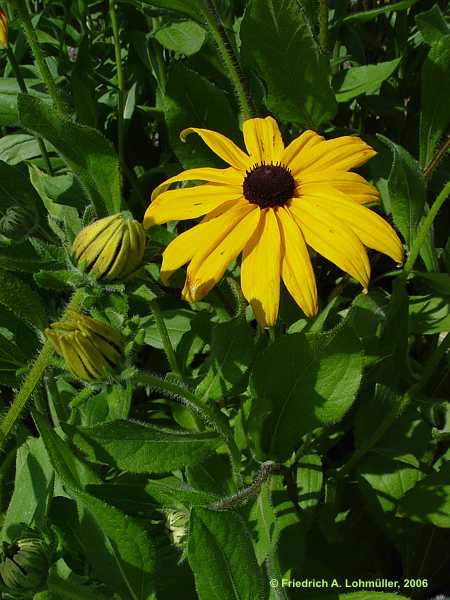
(373,231)
(296,268)
(340,154)
(222,146)
(260,269)
(182,249)
(188,203)
(3,29)
(263,140)
(206,269)
(227,176)
(307,140)
(351,184)
(331,237)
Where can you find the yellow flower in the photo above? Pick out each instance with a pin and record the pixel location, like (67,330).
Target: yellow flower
(270,204)
(3,29)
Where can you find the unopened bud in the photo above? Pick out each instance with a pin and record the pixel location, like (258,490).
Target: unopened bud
(91,349)
(177,524)
(3,29)
(110,248)
(24,566)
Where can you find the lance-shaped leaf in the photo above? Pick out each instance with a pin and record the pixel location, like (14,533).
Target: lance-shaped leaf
(222,557)
(141,447)
(86,151)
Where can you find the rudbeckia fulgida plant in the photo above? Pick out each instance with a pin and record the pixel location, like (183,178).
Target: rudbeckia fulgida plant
(224,299)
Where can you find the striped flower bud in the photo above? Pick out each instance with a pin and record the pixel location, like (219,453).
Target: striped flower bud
(3,29)
(111,248)
(91,349)
(24,566)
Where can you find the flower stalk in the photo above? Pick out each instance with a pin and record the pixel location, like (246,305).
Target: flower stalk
(323,25)
(37,370)
(218,32)
(41,63)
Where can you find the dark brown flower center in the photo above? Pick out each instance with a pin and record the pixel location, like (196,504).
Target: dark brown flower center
(269,185)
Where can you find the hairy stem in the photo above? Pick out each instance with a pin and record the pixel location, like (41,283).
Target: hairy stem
(230,61)
(242,496)
(424,229)
(39,58)
(323,25)
(208,413)
(23,89)
(31,380)
(120,80)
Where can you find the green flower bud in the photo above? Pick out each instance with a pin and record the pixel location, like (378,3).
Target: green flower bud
(17,222)
(111,248)
(177,524)
(24,566)
(91,349)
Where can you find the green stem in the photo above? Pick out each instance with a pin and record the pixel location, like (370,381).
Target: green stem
(208,413)
(23,88)
(120,81)
(437,158)
(167,344)
(31,36)
(424,229)
(32,379)
(242,496)
(323,25)
(230,61)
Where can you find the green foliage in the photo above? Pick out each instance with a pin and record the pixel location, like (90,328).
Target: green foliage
(222,460)
(274,36)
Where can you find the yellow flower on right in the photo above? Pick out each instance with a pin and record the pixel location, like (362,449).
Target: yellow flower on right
(270,204)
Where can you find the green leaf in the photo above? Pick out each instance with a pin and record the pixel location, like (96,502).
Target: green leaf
(193,101)
(222,558)
(432,25)
(407,195)
(33,490)
(429,314)
(9,89)
(22,300)
(143,448)
(392,349)
(185,37)
(131,557)
(87,152)
(232,350)
(309,480)
(390,477)
(366,79)
(369,15)
(23,258)
(429,500)
(274,36)
(172,492)
(435,116)
(18,147)
(302,382)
